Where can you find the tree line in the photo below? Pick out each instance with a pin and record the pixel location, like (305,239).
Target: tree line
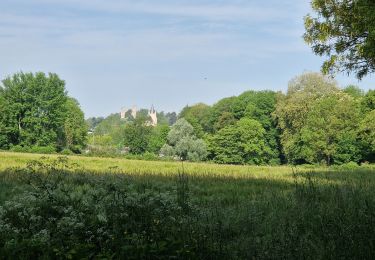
(314,122)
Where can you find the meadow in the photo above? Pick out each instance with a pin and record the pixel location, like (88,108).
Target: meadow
(104,208)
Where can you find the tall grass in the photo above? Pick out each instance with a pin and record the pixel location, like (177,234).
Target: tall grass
(54,208)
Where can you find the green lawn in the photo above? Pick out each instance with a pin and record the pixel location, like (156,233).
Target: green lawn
(86,207)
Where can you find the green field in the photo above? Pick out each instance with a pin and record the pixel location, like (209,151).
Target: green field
(87,207)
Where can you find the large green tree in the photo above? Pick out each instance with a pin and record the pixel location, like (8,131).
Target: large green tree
(343,30)
(329,133)
(32,110)
(136,135)
(197,116)
(158,138)
(293,108)
(242,143)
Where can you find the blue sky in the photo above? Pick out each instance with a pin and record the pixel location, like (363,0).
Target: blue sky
(168,53)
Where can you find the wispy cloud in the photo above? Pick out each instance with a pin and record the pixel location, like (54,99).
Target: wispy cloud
(120,49)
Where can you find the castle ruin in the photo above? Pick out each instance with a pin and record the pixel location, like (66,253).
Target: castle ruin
(133,112)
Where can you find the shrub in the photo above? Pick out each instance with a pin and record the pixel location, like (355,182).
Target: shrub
(20,149)
(66,152)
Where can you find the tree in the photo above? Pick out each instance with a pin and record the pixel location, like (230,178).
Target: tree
(172,118)
(242,143)
(196,115)
(179,130)
(368,101)
(158,138)
(75,128)
(354,91)
(92,122)
(33,109)
(137,135)
(4,142)
(183,143)
(226,119)
(329,133)
(217,110)
(293,108)
(367,136)
(344,30)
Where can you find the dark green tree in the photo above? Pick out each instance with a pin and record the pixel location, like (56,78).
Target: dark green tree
(158,138)
(137,135)
(243,143)
(197,116)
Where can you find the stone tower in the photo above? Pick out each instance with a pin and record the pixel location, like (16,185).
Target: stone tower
(134,112)
(123,112)
(153,116)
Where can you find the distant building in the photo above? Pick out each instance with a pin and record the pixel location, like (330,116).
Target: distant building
(153,115)
(134,112)
(124,111)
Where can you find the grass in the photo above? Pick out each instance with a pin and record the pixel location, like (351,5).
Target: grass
(123,209)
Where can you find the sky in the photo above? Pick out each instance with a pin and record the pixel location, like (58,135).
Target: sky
(115,54)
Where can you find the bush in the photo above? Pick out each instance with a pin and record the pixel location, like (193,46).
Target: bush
(20,149)
(349,166)
(66,152)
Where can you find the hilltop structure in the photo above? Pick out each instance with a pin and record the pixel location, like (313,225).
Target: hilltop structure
(152,114)
(153,121)
(124,110)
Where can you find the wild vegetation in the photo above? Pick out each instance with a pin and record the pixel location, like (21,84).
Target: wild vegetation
(55,208)
(284,175)
(314,122)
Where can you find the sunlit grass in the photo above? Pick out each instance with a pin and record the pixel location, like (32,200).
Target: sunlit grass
(206,211)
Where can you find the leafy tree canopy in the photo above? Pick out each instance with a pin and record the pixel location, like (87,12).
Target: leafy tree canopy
(33,110)
(343,30)
(293,108)
(241,143)
(183,143)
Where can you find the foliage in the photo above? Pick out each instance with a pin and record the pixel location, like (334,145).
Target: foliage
(92,122)
(183,143)
(344,30)
(367,136)
(293,108)
(109,125)
(196,115)
(36,112)
(354,91)
(158,137)
(241,143)
(329,133)
(33,109)
(225,105)
(75,128)
(368,101)
(54,209)
(137,135)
